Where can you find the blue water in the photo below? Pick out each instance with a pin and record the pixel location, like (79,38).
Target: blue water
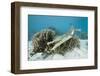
(61,24)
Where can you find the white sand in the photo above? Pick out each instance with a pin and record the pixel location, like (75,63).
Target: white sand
(73,54)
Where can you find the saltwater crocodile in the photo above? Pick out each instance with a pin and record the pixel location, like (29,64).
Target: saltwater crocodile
(61,39)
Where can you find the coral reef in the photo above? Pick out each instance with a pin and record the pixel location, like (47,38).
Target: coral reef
(47,43)
(68,45)
(40,40)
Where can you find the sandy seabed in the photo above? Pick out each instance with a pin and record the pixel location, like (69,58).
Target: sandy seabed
(76,53)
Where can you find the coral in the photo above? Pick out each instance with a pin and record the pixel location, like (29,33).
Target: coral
(47,43)
(68,45)
(40,40)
